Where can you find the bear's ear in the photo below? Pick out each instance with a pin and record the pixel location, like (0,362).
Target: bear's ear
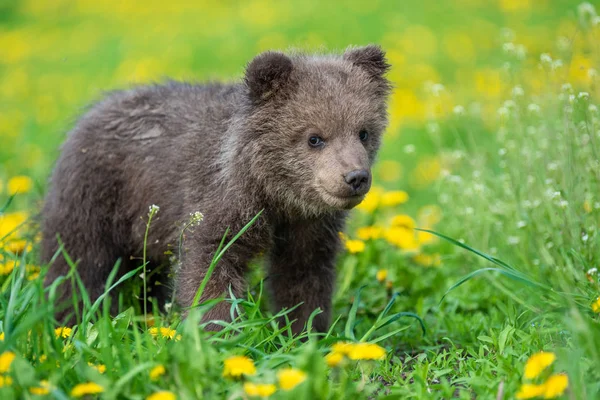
(371,58)
(267,75)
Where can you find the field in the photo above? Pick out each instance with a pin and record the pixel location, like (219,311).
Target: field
(493,145)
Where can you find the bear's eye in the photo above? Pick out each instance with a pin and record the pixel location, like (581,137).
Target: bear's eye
(315,141)
(363,135)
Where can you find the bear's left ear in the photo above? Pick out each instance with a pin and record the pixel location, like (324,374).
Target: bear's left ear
(371,58)
(268,75)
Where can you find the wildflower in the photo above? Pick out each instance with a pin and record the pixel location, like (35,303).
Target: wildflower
(237,366)
(162,395)
(537,363)
(371,200)
(555,386)
(6,360)
(157,371)
(403,220)
(259,389)
(334,359)
(5,381)
(596,305)
(6,269)
(402,237)
(100,367)
(165,332)
(82,389)
(289,378)
(381,275)
(2,336)
(41,390)
(10,223)
(366,351)
(394,198)
(355,246)
(425,237)
(63,332)
(529,391)
(19,184)
(153,209)
(369,232)
(342,348)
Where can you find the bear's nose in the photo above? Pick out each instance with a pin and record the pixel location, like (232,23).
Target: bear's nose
(358,180)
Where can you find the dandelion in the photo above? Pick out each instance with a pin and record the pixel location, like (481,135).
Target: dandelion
(165,332)
(41,390)
(596,304)
(402,237)
(342,348)
(334,359)
(355,246)
(6,360)
(403,220)
(381,275)
(369,232)
(7,268)
(236,366)
(82,389)
(555,385)
(529,391)
(259,389)
(63,332)
(101,368)
(289,378)
(19,185)
(5,381)
(157,372)
(162,395)
(371,200)
(537,363)
(1,336)
(366,351)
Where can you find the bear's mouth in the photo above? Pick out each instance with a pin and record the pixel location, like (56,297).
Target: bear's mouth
(344,202)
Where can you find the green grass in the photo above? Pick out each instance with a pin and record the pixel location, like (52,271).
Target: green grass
(504,157)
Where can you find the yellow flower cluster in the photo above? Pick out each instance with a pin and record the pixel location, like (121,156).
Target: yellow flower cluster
(41,390)
(162,395)
(354,351)
(596,305)
(552,387)
(63,331)
(11,231)
(259,389)
(236,366)
(6,360)
(165,332)
(157,372)
(86,388)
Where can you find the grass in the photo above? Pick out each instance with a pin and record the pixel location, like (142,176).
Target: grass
(492,155)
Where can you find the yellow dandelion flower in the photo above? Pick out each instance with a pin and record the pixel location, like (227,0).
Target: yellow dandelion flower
(259,389)
(43,358)
(394,198)
(371,200)
(596,305)
(537,363)
(5,381)
(343,348)
(82,389)
(19,184)
(366,351)
(355,246)
(164,332)
(289,378)
(403,221)
(369,232)
(6,360)
(425,237)
(402,237)
(157,371)
(555,386)
(63,331)
(2,336)
(334,359)
(529,391)
(100,367)
(381,275)
(41,390)
(6,269)
(162,395)
(17,246)
(236,366)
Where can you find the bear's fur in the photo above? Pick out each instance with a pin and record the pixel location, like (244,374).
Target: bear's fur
(228,151)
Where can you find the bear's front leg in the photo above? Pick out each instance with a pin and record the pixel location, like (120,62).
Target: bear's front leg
(302,269)
(200,247)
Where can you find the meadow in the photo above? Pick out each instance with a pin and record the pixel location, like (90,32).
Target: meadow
(469,271)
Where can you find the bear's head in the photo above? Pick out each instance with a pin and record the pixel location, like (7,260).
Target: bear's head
(313,125)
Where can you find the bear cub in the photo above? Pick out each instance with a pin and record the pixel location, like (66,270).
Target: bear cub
(295,139)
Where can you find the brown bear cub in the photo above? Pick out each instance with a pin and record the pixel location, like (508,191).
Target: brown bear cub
(296,139)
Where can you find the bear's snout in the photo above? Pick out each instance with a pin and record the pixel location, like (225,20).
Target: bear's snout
(359,181)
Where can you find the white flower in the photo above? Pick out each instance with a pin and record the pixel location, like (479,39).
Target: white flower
(459,110)
(545,58)
(153,209)
(534,108)
(518,91)
(583,95)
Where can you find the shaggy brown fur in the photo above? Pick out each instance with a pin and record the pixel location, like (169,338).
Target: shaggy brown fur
(296,139)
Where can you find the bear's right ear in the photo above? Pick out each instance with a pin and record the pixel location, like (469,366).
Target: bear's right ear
(268,75)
